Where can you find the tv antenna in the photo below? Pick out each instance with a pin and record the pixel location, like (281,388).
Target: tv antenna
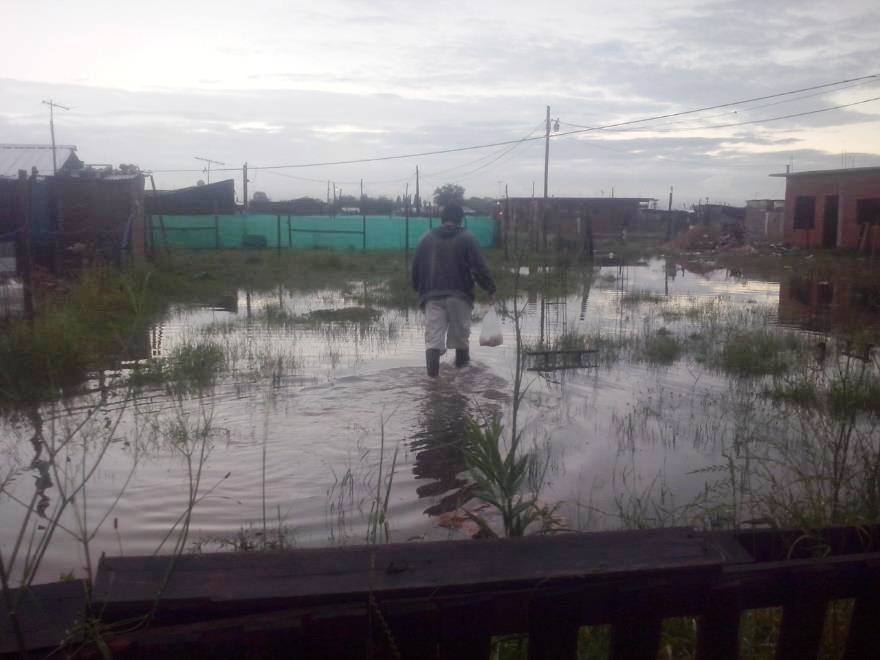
(209,162)
(52,105)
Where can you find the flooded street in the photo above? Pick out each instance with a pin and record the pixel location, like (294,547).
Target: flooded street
(315,408)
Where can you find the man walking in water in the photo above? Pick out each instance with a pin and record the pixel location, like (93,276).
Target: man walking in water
(446,263)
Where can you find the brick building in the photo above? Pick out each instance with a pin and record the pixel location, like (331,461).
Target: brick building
(833,208)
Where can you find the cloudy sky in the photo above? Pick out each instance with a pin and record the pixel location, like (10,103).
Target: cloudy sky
(288,82)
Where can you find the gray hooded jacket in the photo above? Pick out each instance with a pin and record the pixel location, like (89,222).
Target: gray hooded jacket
(447,261)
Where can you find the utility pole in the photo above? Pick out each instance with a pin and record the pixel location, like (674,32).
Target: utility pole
(209,162)
(52,105)
(546,151)
(244,182)
(670,198)
(418,198)
(506,223)
(328,199)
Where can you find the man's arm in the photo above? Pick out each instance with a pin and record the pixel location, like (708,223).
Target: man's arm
(415,267)
(479,268)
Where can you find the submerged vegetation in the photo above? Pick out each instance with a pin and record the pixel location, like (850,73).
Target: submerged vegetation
(189,368)
(786,423)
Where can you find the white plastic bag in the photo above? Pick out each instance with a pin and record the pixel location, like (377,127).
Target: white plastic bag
(490,332)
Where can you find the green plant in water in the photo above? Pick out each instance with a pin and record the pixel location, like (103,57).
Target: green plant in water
(190,367)
(501,479)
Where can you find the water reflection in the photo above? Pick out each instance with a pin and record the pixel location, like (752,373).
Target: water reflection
(829,304)
(444,410)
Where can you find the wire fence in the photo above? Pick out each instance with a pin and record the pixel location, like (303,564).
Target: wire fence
(370,233)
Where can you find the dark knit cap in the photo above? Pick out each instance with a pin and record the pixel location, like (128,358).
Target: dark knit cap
(452,213)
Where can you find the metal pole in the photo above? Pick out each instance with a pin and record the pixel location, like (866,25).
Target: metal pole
(406,240)
(161,217)
(363,219)
(52,105)
(506,223)
(418,198)
(244,182)
(52,131)
(278,232)
(546,151)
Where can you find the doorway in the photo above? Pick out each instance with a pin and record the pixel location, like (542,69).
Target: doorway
(829,224)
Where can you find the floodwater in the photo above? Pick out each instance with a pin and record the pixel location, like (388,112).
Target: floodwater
(296,441)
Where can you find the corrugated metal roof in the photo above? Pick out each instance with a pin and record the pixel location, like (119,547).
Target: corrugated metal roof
(15,157)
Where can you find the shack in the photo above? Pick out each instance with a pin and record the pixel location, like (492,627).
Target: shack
(570,219)
(79,215)
(764,219)
(206,199)
(833,208)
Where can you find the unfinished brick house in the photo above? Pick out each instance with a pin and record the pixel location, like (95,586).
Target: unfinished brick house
(833,208)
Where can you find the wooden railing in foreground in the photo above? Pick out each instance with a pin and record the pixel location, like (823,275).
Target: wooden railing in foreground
(448,599)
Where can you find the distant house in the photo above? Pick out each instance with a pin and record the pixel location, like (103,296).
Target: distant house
(764,219)
(833,208)
(207,199)
(571,219)
(729,219)
(37,158)
(660,222)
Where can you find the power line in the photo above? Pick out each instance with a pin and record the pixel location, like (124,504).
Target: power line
(605,127)
(742,123)
(748,108)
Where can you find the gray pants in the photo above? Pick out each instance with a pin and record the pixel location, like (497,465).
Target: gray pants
(447,323)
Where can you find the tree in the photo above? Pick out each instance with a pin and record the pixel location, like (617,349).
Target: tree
(449,193)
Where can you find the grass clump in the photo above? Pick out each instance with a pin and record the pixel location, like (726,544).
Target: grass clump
(663,347)
(801,392)
(344,315)
(640,296)
(757,353)
(570,340)
(38,361)
(189,368)
(852,394)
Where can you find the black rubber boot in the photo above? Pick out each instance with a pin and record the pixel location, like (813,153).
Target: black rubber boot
(432,359)
(462,357)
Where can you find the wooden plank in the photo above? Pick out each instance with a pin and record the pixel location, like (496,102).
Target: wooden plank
(45,613)
(718,626)
(863,638)
(635,632)
(803,615)
(554,623)
(322,574)
(464,634)
(332,632)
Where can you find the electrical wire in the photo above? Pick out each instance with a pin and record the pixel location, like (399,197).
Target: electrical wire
(606,127)
(861,82)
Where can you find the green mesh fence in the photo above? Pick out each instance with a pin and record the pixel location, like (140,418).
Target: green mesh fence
(303,232)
